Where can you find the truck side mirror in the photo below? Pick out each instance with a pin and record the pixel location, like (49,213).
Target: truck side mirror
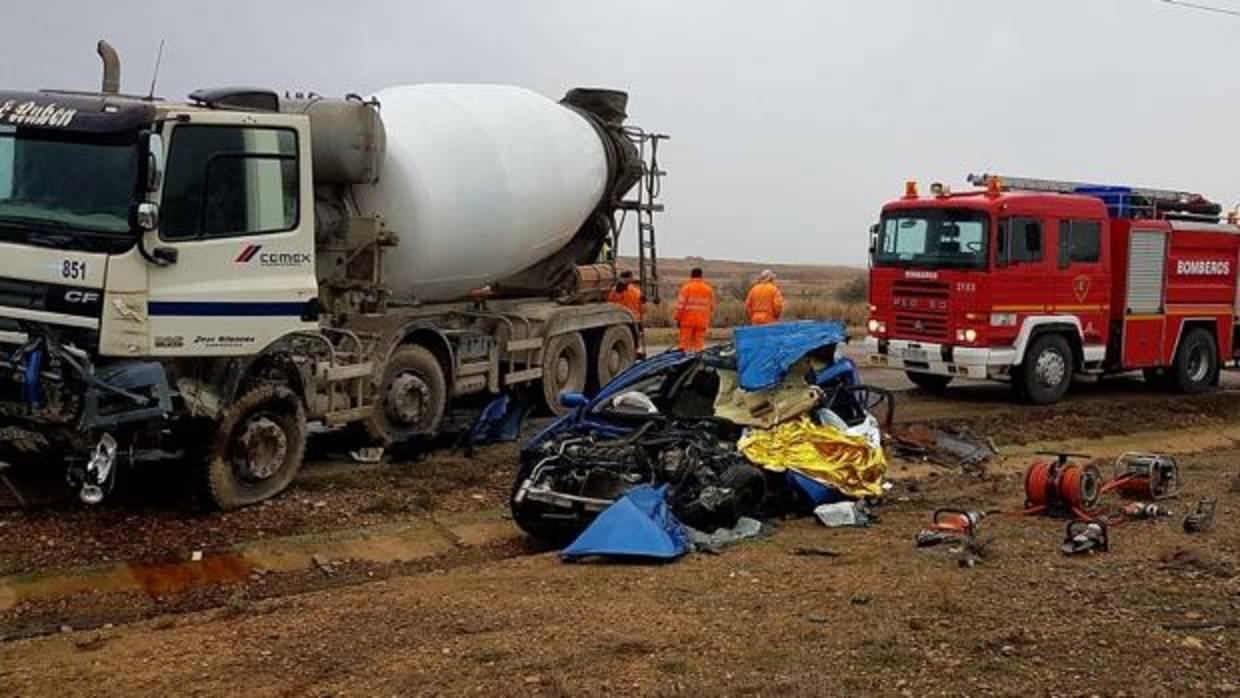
(154,169)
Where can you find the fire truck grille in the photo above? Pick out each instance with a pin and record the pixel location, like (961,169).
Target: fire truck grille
(922,310)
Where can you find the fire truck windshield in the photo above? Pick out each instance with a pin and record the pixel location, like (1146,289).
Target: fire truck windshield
(66,187)
(933,238)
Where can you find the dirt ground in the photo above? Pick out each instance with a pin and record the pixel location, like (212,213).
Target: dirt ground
(1157,615)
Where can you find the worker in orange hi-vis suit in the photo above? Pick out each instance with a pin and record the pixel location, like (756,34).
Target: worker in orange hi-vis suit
(628,294)
(765,304)
(695,306)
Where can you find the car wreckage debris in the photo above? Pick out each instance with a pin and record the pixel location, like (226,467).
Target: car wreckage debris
(773,425)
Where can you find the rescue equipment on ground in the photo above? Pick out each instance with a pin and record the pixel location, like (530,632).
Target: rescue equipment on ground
(1144,510)
(950,526)
(1086,536)
(1202,519)
(1062,488)
(1145,476)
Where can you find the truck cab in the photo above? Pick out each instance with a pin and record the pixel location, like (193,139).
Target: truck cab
(966,285)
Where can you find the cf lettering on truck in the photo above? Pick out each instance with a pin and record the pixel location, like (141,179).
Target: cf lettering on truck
(198,281)
(1035,281)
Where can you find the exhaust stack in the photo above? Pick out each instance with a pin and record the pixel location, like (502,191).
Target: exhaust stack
(111,68)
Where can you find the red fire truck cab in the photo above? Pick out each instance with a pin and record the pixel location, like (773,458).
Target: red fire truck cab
(1036,281)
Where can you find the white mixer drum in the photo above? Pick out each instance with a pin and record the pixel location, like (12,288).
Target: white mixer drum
(479,182)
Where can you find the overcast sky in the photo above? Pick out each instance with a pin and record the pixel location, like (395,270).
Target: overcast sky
(792,121)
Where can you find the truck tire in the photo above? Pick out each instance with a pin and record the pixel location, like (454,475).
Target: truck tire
(565,369)
(257,448)
(1196,366)
(616,352)
(1047,369)
(929,382)
(412,398)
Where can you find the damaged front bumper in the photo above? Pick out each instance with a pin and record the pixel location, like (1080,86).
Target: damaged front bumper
(54,401)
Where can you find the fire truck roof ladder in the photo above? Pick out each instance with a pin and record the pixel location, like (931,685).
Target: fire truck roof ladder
(1156,196)
(1121,201)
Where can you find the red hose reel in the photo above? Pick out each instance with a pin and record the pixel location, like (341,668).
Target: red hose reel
(1061,487)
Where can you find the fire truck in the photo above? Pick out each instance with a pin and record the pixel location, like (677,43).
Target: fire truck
(1035,282)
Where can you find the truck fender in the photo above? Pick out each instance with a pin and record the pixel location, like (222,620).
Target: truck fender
(1193,322)
(427,336)
(1037,324)
(236,370)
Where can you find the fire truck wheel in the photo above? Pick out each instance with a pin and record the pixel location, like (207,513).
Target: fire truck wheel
(929,382)
(1196,365)
(257,449)
(565,367)
(412,397)
(1046,372)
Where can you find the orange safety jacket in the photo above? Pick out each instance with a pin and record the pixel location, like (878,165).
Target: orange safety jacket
(695,306)
(765,304)
(630,298)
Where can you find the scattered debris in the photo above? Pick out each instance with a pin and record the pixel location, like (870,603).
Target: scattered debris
(744,529)
(1202,519)
(844,514)
(814,552)
(196,556)
(367,455)
(944,446)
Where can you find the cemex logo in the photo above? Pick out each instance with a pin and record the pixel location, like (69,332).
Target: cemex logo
(250,253)
(247,253)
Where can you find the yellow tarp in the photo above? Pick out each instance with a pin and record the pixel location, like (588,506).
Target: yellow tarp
(849,463)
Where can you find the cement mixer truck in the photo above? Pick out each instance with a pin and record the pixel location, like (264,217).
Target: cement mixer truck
(202,281)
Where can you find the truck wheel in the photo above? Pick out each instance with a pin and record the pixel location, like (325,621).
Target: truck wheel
(616,352)
(564,368)
(1047,370)
(257,449)
(1196,365)
(929,382)
(412,397)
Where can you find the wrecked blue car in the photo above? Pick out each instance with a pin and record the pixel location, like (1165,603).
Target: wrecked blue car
(674,420)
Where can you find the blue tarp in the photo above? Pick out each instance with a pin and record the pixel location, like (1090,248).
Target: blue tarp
(816,491)
(499,421)
(765,353)
(638,525)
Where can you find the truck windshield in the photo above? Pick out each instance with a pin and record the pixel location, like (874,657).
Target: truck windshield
(64,185)
(932,238)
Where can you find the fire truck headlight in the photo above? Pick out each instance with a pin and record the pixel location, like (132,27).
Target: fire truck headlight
(1003,319)
(876,327)
(970,335)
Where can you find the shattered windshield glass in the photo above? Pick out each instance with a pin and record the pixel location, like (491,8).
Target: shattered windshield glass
(66,182)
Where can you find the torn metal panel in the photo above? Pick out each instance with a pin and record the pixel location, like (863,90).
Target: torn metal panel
(945,447)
